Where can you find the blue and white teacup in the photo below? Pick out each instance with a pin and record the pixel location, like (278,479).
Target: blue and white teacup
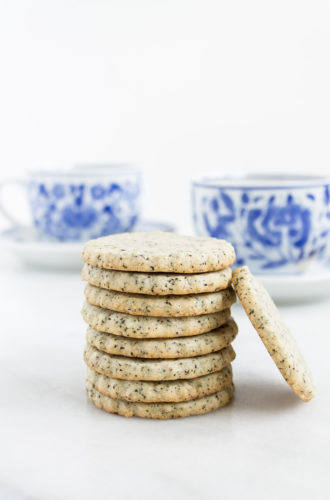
(83,202)
(277,223)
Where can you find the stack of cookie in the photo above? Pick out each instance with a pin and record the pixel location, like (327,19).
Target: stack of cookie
(160,330)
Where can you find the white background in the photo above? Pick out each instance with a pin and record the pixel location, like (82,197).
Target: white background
(178,86)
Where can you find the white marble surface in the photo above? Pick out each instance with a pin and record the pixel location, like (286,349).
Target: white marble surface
(56,445)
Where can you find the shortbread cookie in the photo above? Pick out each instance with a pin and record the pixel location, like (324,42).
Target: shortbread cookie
(161,392)
(141,327)
(274,333)
(185,347)
(159,252)
(157,283)
(168,305)
(160,410)
(156,369)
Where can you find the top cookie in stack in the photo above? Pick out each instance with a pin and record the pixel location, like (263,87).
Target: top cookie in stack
(160,331)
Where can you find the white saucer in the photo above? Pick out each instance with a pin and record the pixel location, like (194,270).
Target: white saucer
(34,250)
(31,249)
(289,289)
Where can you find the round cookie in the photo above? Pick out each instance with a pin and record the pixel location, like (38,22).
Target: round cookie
(159,252)
(160,410)
(184,347)
(168,306)
(156,369)
(128,325)
(157,283)
(160,392)
(274,333)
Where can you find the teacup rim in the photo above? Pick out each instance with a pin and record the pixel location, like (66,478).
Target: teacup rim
(257,180)
(83,170)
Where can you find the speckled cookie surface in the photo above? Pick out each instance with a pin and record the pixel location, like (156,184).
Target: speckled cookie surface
(274,333)
(160,410)
(160,392)
(182,347)
(159,252)
(156,369)
(167,305)
(128,325)
(156,283)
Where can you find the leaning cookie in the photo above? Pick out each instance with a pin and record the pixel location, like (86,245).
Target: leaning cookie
(157,283)
(160,410)
(159,252)
(160,392)
(274,333)
(156,369)
(166,306)
(182,347)
(127,325)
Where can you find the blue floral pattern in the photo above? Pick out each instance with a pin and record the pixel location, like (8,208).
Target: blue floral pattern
(270,229)
(73,212)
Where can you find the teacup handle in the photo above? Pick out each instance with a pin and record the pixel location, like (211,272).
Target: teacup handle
(3,209)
